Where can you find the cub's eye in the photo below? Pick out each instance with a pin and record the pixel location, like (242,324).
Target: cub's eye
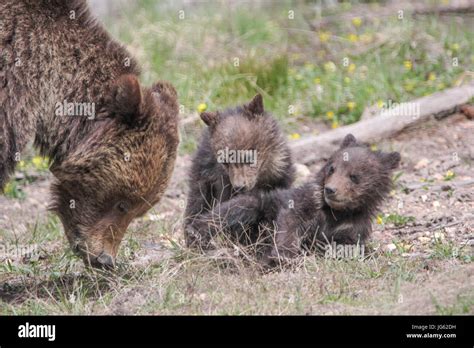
(330,170)
(354,179)
(122,207)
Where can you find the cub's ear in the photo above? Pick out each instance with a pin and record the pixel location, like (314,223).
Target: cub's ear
(255,107)
(391,160)
(349,140)
(210,118)
(126,98)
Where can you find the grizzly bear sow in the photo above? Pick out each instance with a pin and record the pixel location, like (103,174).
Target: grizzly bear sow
(241,151)
(112,143)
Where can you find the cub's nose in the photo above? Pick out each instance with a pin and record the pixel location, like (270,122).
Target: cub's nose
(106,261)
(329,191)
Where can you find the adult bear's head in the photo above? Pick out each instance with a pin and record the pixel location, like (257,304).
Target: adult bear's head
(119,170)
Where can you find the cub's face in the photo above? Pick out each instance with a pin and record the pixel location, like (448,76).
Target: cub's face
(236,143)
(355,176)
(118,173)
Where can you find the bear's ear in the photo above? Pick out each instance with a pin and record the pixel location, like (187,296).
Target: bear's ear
(349,140)
(165,91)
(210,118)
(126,98)
(255,106)
(391,160)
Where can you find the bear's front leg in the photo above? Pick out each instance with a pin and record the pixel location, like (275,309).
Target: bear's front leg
(287,242)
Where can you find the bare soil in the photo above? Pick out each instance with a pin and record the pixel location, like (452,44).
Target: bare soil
(416,266)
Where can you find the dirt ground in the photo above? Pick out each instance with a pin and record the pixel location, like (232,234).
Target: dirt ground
(428,221)
(430,155)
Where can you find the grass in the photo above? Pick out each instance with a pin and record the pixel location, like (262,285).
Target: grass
(397,219)
(195,286)
(448,250)
(28,170)
(13,190)
(332,74)
(178,281)
(222,56)
(463,305)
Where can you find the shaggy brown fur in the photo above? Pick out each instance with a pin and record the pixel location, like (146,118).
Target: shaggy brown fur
(109,168)
(335,206)
(338,204)
(213,182)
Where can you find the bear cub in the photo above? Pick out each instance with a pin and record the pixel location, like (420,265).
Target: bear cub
(338,204)
(242,150)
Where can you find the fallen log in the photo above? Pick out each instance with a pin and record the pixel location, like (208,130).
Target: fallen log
(387,123)
(391,9)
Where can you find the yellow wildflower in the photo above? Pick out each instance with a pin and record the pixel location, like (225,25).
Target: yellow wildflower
(324,36)
(9,188)
(351,68)
(294,136)
(352,37)
(408,64)
(351,105)
(334,124)
(330,66)
(330,115)
(379,220)
(357,21)
(202,107)
(449,175)
(40,162)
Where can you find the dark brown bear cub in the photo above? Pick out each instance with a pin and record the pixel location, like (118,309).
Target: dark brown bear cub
(337,206)
(241,151)
(112,143)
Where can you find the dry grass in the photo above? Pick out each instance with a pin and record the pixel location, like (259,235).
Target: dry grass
(158,275)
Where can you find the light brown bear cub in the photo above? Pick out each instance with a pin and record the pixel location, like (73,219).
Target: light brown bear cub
(241,151)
